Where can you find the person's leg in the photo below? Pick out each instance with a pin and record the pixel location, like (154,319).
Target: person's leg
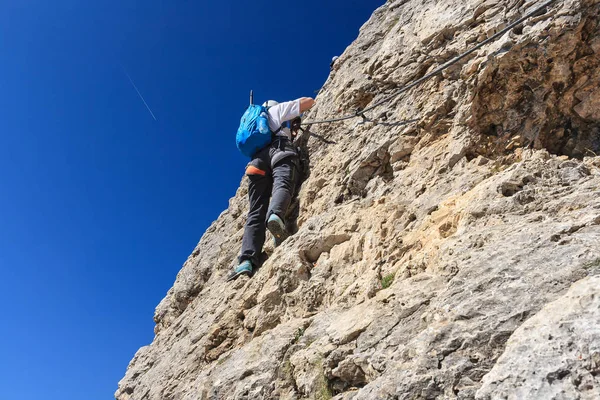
(284,185)
(259,190)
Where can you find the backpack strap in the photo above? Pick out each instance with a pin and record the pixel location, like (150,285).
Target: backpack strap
(274,134)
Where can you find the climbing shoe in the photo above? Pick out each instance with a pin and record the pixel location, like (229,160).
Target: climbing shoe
(277,228)
(245,267)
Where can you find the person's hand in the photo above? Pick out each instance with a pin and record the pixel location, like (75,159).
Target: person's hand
(295,124)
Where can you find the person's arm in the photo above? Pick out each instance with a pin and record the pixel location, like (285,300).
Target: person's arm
(306,103)
(289,110)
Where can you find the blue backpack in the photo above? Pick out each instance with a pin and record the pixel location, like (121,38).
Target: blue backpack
(254,133)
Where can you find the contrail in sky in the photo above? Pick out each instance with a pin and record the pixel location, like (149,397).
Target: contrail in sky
(138,92)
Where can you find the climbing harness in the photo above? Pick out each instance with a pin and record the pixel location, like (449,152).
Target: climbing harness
(437,71)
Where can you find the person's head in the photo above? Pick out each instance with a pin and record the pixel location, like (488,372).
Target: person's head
(270,103)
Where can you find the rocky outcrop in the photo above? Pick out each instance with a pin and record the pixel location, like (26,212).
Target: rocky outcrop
(554,354)
(447,246)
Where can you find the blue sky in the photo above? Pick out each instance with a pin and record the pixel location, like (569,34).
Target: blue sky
(99,203)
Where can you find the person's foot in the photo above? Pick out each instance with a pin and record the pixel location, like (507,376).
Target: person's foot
(244,268)
(277,228)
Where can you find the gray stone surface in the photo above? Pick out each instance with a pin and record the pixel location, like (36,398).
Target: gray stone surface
(555,354)
(424,247)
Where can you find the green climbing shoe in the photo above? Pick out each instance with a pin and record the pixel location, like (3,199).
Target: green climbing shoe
(277,228)
(245,267)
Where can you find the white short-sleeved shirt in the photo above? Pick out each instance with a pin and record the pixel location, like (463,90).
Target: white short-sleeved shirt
(281,113)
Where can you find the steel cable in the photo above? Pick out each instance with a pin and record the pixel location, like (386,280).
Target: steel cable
(437,71)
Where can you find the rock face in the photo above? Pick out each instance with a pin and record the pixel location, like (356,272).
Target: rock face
(555,354)
(448,248)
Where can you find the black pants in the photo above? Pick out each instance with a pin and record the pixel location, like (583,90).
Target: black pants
(272,180)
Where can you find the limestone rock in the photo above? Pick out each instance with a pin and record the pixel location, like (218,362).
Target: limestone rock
(555,354)
(440,243)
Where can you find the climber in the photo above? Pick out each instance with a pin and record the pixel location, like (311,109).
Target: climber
(273,172)
(333,60)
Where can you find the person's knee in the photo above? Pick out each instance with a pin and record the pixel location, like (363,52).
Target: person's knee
(285,170)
